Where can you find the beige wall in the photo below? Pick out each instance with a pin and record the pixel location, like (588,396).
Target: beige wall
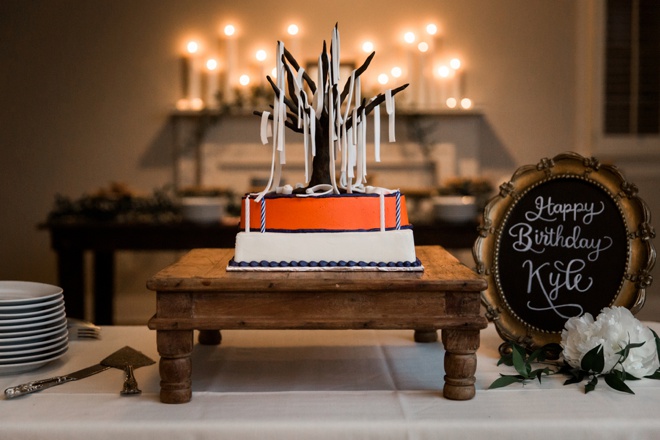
(86,86)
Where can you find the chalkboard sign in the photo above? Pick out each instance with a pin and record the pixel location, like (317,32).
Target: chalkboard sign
(565,237)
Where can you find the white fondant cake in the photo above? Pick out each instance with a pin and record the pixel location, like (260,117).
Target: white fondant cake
(292,233)
(388,250)
(337,222)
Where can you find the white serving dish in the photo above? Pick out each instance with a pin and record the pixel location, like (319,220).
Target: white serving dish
(203,209)
(455,209)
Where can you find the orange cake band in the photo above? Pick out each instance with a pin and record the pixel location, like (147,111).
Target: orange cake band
(335,213)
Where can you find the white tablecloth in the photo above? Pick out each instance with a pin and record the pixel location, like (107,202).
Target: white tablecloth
(318,385)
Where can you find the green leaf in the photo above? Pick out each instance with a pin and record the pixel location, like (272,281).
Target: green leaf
(657,341)
(519,363)
(540,372)
(505,380)
(591,385)
(506,360)
(594,360)
(628,376)
(626,350)
(574,379)
(576,375)
(655,375)
(614,381)
(538,355)
(566,369)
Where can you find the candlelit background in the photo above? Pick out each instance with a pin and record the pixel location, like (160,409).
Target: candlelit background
(89,89)
(228,69)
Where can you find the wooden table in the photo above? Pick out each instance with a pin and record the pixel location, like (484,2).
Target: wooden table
(197,293)
(71,239)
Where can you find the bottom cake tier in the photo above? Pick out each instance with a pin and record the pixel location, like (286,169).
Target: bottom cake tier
(390,250)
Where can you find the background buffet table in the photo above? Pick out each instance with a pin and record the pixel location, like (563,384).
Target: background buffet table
(264,384)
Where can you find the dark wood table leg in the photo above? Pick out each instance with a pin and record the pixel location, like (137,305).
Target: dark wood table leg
(210,337)
(460,363)
(426,335)
(175,348)
(71,278)
(104,287)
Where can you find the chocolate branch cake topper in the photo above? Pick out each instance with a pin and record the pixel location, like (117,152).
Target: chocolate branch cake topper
(333,123)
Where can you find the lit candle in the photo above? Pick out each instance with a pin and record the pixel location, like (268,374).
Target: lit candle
(423,48)
(431,95)
(293,31)
(194,75)
(443,78)
(261,55)
(410,38)
(212,82)
(455,64)
(230,56)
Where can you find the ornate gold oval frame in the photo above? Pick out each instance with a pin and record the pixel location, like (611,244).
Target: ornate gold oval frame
(630,292)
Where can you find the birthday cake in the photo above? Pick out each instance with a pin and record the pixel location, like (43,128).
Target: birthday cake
(334,221)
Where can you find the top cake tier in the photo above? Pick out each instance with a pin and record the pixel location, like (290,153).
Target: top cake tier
(343,212)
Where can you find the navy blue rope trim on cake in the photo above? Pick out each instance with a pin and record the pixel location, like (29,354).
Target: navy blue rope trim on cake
(324,196)
(307,231)
(323,263)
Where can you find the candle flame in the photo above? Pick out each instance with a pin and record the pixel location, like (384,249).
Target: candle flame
(423,46)
(230,30)
(383,78)
(212,64)
(244,80)
(443,71)
(431,29)
(260,55)
(368,46)
(396,72)
(409,37)
(451,102)
(455,63)
(292,29)
(192,47)
(466,103)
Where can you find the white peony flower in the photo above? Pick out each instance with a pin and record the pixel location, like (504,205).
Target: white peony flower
(614,329)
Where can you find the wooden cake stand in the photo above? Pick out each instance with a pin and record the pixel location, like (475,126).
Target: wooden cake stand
(197,293)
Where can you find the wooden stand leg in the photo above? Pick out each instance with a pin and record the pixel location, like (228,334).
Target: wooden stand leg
(175,349)
(426,335)
(460,363)
(210,337)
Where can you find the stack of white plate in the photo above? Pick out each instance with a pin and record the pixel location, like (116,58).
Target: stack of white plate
(33,328)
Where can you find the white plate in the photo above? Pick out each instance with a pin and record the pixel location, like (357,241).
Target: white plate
(30,357)
(28,366)
(32,306)
(33,311)
(14,293)
(10,330)
(45,335)
(30,351)
(43,316)
(33,343)
(60,323)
